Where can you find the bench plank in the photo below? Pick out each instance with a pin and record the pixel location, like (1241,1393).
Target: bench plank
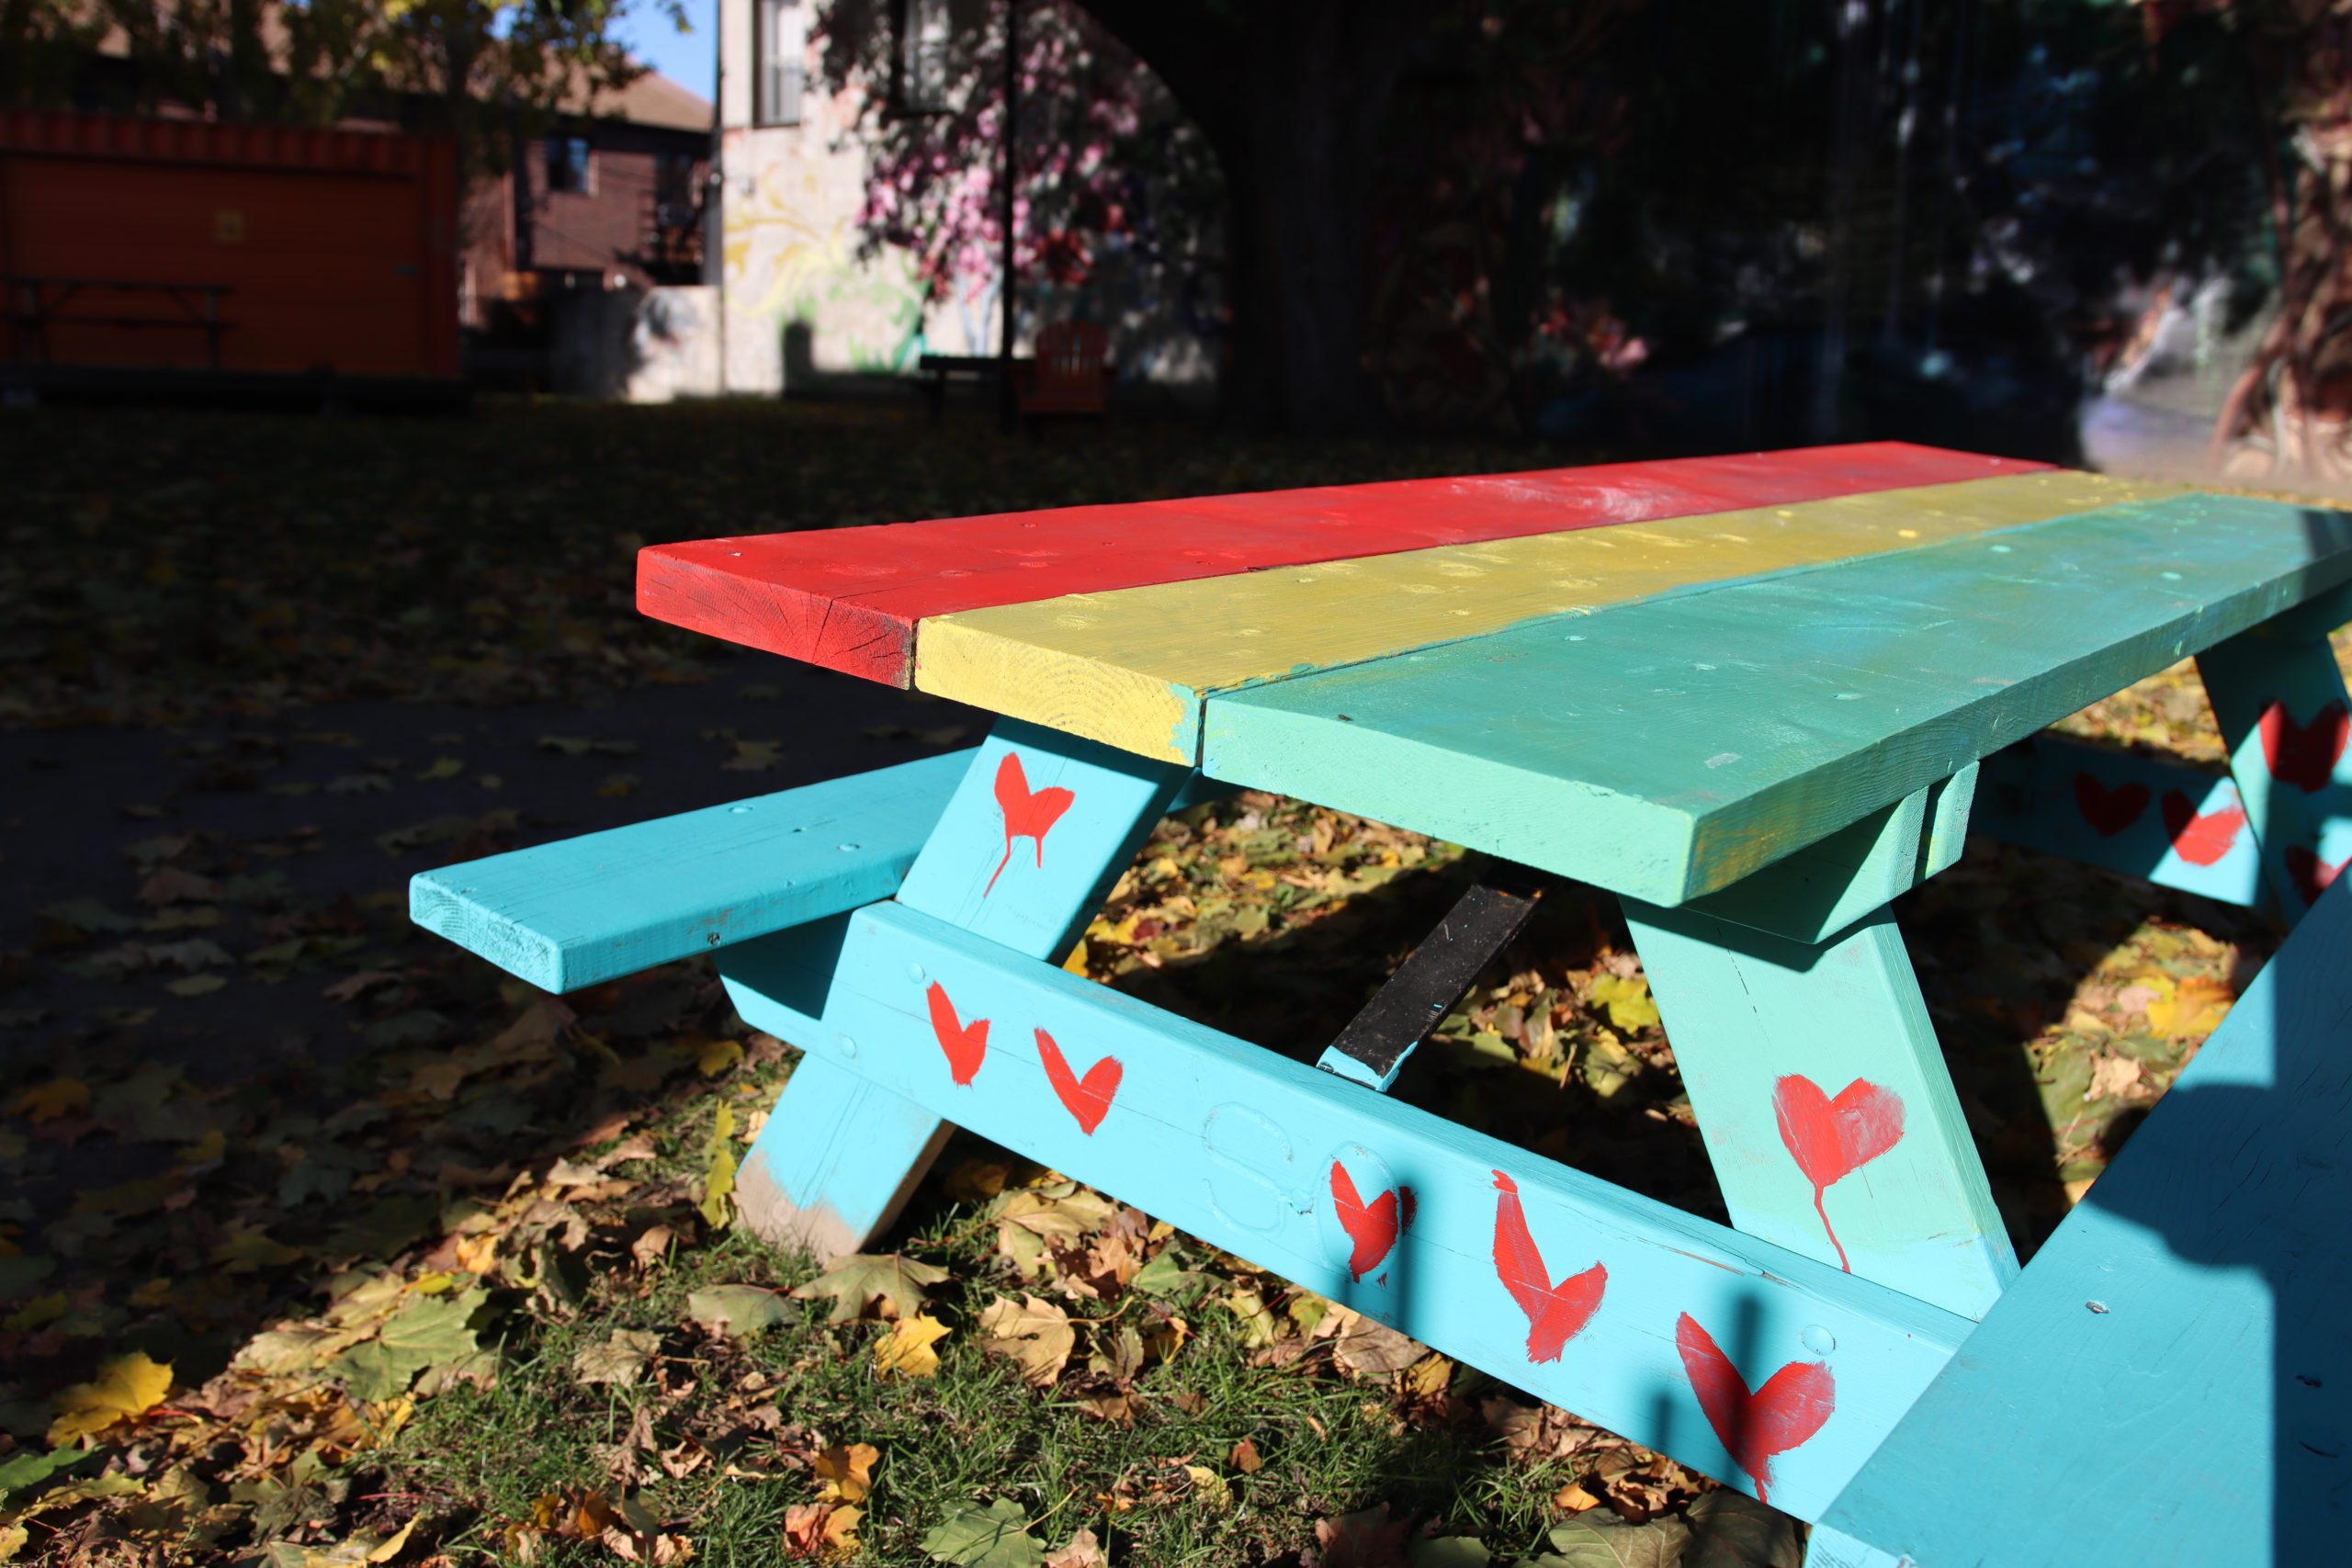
(849,598)
(2169,1382)
(1803,701)
(1289,1166)
(587,909)
(1131,667)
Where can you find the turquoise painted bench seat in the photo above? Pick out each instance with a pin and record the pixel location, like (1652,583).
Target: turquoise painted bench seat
(583,910)
(2169,1383)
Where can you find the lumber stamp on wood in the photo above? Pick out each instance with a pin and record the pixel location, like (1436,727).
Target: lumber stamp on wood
(2177,1360)
(582,910)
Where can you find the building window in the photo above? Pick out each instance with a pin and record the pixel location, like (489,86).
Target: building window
(782,48)
(674,189)
(568,164)
(919,63)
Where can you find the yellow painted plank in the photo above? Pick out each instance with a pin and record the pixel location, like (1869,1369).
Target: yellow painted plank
(1131,667)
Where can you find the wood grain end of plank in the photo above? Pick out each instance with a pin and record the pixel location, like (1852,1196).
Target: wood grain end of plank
(442,908)
(1127,709)
(690,585)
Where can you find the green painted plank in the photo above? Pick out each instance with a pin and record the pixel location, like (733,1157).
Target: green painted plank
(2169,1382)
(1666,749)
(582,910)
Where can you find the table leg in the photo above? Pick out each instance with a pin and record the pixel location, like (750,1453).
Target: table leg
(1027,849)
(1825,1102)
(2279,700)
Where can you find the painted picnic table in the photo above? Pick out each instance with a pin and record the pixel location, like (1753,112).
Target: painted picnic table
(1757,697)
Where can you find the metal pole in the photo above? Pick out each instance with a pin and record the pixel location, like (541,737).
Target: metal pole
(1007,404)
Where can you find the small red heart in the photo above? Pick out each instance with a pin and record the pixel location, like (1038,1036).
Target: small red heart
(1555,1314)
(2109,810)
(1831,1139)
(1088,1098)
(2304,755)
(1789,1409)
(1027,815)
(965,1043)
(1371,1226)
(2201,840)
(2310,875)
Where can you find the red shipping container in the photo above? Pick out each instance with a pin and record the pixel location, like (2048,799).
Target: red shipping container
(337,249)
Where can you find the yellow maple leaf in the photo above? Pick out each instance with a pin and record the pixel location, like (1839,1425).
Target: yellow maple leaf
(717,1056)
(48,1102)
(907,1348)
(846,1471)
(2191,1008)
(127,1387)
(719,1182)
(1628,1001)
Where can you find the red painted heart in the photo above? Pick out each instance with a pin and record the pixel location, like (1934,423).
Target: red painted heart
(1372,1227)
(2304,755)
(1831,1139)
(2310,875)
(2201,840)
(1555,1314)
(965,1043)
(1027,815)
(1753,1426)
(1088,1098)
(2109,810)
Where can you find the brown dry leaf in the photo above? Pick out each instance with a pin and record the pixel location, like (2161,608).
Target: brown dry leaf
(1541,1431)
(855,1282)
(49,1101)
(2112,1077)
(127,1387)
(978,1181)
(821,1533)
(1573,1498)
(1037,1335)
(847,1472)
(1043,1220)
(1119,1409)
(1367,1349)
(1366,1538)
(1245,1456)
(1084,1552)
(907,1348)
(2190,1008)
(652,1246)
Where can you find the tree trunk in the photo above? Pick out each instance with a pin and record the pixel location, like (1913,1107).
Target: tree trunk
(1291,94)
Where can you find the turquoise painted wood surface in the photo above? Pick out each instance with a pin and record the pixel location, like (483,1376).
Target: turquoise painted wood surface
(1823,888)
(2170,824)
(1040,827)
(1666,749)
(845,1155)
(2169,1383)
(1681,1332)
(1824,1103)
(2280,703)
(587,909)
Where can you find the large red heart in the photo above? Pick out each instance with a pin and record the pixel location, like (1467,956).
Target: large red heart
(965,1043)
(1831,1139)
(1088,1098)
(1789,1408)
(2304,756)
(1027,815)
(2310,875)
(2109,810)
(1372,1227)
(1555,1314)
(2201,840)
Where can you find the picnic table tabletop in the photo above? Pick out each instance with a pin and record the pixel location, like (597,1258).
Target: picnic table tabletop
(1653,677)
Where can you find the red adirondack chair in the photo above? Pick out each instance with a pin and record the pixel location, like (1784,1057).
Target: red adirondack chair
(1070,375)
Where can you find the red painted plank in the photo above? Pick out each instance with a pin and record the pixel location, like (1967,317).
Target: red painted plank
(849,598)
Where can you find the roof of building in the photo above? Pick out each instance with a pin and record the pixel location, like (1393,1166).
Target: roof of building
(655,99)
